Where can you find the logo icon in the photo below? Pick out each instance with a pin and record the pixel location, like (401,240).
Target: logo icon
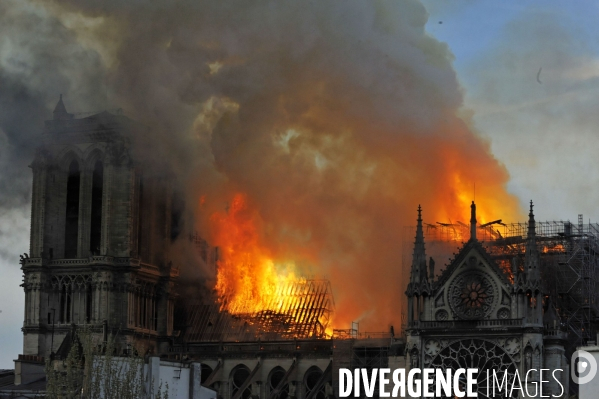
(583,367)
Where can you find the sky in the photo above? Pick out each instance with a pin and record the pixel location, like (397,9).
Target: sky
(528,72)
(544,133)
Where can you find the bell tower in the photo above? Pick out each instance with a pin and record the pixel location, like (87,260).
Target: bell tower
(100,236)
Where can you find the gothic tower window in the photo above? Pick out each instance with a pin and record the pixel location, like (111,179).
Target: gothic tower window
(65,304)
(88,304)
(144,307)
(141,234)
(71,233)
(96,210)
(71,299)
(155,319)
(144,310)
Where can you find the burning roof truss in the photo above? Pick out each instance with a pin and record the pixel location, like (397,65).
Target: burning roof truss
(299,309)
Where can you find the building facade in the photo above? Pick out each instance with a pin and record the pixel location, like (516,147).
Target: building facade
(478,315)
(100,236)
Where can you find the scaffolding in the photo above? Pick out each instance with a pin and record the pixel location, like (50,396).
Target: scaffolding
(569,262)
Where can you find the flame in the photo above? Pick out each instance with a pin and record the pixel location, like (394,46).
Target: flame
(353,247)
(250,282)
(247,277)
(333,149)
(555,248)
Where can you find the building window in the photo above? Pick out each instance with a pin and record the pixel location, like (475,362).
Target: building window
(71,299)
(71,234)
(206,372)
(311,380)
(88,304)
(141,234)
(483,355)
(96,211)
(65,305)
(238,376)
(144,307)
(276,376)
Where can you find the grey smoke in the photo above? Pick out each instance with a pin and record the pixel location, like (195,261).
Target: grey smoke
(335,118)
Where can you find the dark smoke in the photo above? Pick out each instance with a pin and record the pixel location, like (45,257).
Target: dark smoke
(334,118)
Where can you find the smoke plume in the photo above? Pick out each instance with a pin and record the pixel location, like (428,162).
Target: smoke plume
(333,120)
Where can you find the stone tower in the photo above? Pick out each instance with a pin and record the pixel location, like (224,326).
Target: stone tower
(100,237)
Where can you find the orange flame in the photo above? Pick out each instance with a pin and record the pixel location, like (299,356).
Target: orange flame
(252,284)
(247,276)
(555,248)
(347,218)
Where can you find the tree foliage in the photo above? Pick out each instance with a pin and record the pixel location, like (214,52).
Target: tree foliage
(92,370)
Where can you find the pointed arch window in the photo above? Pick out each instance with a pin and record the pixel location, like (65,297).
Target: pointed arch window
(71,233)
(311,383)
(276,377)
(238,377)
(96,209)
(65,304)
(141,233)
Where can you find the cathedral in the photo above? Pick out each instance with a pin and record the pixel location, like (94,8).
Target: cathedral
(103,223)
(478,315)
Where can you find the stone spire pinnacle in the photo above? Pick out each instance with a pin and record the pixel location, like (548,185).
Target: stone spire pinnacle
(532,253)
(473,221)
(418,273)
(60,111)
(531,221)
(551,319)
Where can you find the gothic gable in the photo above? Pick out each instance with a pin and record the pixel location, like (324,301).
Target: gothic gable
(472,287)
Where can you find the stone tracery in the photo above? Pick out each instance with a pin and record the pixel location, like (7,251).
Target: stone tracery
(472,295)
(477,353)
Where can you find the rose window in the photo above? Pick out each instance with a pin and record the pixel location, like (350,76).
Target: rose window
(472,295)
(480,354)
